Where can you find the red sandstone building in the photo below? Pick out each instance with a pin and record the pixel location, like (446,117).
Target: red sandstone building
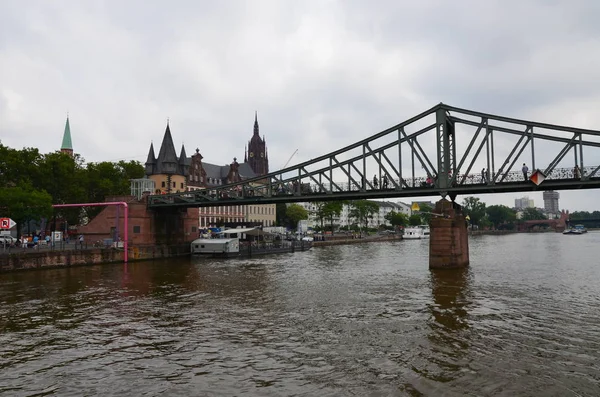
(170,173)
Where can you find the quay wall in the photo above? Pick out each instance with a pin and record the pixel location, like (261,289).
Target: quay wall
(337,241)
(47,259)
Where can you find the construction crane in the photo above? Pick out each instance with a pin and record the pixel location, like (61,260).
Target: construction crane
(290,159)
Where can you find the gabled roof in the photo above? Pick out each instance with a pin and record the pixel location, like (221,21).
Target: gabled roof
(215,171)
(246,171)
(221,172)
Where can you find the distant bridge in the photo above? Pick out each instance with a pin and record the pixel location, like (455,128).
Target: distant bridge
(585,222)
(436,153)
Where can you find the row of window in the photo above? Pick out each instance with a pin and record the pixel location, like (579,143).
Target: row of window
(164,184)
(138,229)
(239,209)
(208,221)
(210,181)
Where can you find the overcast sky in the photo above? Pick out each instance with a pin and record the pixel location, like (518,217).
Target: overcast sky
(321,74)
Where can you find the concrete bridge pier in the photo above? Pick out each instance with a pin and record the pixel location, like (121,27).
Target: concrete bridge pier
(449,244)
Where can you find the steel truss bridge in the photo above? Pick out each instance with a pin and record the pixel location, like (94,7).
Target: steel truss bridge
(439,152)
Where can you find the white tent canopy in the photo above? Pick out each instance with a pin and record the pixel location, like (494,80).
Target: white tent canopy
(251,231)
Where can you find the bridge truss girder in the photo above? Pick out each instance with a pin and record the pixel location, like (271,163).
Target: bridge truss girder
(432,141)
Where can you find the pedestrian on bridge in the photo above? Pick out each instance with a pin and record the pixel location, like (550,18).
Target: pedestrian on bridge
(525,170)
(375,181)
(483,176)
(385,182)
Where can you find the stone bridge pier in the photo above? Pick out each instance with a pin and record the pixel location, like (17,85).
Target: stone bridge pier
(449,243)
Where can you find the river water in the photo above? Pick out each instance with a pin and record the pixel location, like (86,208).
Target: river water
(356,320)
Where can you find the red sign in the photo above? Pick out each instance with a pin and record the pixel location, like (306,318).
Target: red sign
(537,177)
(7,223)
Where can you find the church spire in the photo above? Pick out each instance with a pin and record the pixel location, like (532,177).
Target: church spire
(255,123)
(67,145)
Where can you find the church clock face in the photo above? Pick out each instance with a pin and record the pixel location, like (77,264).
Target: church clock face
(262,155)
(251,154)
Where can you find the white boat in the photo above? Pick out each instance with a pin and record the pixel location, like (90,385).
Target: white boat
(581,228)
(211,246)
(230,246)
(416,232)
(226,246)
(572,231)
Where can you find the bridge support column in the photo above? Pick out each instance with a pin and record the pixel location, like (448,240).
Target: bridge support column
(449,244)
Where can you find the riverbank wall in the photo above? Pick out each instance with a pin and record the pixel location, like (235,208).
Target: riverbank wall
(345,241)
(46,259)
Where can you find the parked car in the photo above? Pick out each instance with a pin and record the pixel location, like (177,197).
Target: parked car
(6,240)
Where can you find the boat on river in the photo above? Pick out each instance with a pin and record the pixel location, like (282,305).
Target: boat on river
(245,242)
(572,230)
(416,233)
(581,228)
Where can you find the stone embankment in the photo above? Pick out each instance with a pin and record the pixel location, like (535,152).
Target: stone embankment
(46,259)
(342,240)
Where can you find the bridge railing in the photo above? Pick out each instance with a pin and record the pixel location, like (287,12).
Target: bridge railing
(294,188)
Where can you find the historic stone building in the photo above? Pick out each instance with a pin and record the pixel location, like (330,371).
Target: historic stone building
(173,174)
(168,171)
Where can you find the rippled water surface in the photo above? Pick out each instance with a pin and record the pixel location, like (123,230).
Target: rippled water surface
(360,320)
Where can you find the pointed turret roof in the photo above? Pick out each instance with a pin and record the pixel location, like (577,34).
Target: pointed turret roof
(151,160)
(167,160)
(66,141)
(151,157)
(182,156)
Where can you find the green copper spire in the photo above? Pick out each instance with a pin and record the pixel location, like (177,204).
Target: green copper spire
(66,142)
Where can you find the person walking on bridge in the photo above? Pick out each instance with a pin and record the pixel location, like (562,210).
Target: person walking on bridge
(483,176)
(525,170)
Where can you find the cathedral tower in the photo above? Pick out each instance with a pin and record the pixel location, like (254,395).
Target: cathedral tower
(257,156)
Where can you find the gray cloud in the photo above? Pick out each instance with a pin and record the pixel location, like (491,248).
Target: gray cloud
(322,74)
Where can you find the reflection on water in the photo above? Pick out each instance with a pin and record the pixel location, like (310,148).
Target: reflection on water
(346,320)
(449,325)
(450,291)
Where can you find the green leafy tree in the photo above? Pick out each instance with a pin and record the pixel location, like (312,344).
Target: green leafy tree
(109,179)
(396,218)
(296,213)
(584,215)
(281,215)
(415,220)
(500,214)
(363,210)
(19,167)
(532,214)
(474,208)
(23,205)
(320,212)
(65,179)
(425,213)
(332,210)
